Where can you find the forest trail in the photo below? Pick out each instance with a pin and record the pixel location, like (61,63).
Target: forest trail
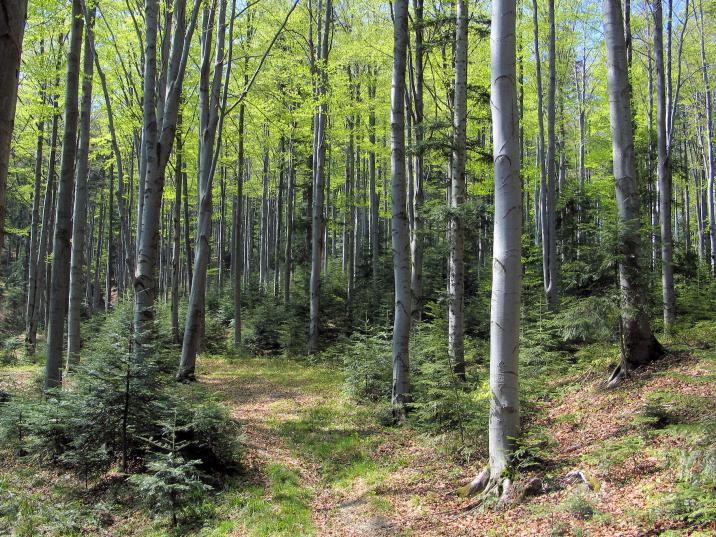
(298,423)
(318,464)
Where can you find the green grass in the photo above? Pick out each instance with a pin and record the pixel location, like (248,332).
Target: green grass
(281,508)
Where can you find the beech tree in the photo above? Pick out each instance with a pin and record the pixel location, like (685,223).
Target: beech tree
(400,229)
(506,265)
(12,30)
(639,345)
(58,296)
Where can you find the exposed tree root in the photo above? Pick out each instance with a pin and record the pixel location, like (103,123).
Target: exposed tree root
(619,375)
(186,376)
(490,487)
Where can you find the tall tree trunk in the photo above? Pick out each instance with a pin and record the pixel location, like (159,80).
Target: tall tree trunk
(456,276)
(289,222)
(110,244)
(506,267)
(221,230)
(319,158)
(79,212)
(12,30)
(159,141)
(540,200)
(373,196)
(35,225)
(43,246)
(549,235)
(211,110)
(279,225)
(57,299)
(400,229)
(417,239)
(96,290)
(710,160)
(176,233)
(638,343)
(663,173)
(239,246)
(263,232)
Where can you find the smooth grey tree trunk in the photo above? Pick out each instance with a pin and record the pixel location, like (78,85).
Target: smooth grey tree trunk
(549,234)
(45,234)
(456,232)
(238,222)
(59,282)
(373,233)
(418,199)
(319,158)
(35,217)
(504,424)
(540,197)
(400,228)
(79,212)
(159,141)
(664,174)
(263,232)
(289,222)
(639,346)
(711,164)
(12,31)
(211,111)
(176,234)
(110,244)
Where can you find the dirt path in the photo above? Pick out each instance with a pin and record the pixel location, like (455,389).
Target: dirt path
(363,479)
(269,403)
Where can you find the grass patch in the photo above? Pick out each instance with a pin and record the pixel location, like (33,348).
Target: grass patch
(281,508)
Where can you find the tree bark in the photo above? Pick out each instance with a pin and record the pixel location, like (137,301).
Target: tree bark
(549,235)
(664,174)
(12,30)
(417,239)
(319,158)
(504,424)
(176,234)
(639,346)
(33,261)
(710,161)
(159,141)
(400,228)
(43,246)
(79,212)
(58,296)
(456,273)
(210,113)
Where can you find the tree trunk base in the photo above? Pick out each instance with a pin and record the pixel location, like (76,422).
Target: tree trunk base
(490,487)
(623,370)
(186,376)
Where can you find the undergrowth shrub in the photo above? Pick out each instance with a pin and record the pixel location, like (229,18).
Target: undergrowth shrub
(367,361)
(267,320)
(589,319)
(113,410)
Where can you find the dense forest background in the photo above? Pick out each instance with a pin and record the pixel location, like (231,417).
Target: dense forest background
(358,268)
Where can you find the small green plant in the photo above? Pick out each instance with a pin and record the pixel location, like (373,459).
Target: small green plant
(579,505)
(171,484)
(616,453)
(10,351)
(657,412)
(694,497)
(368,368)
(589,319)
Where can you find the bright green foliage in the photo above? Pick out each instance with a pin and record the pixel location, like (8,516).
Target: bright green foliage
(170,483)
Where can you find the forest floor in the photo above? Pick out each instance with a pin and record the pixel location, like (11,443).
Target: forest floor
(316,463)
(323,465)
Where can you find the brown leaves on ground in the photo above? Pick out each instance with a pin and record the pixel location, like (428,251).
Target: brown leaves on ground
(415,493)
